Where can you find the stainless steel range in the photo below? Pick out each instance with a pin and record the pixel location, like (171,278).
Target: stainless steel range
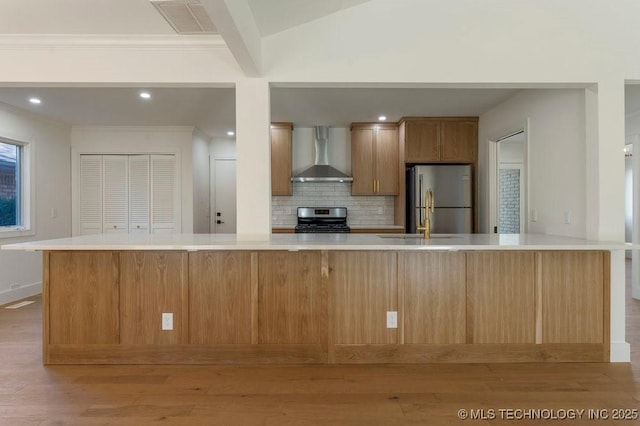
(322,220)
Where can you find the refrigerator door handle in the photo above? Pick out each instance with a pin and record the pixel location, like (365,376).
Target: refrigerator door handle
(420,195)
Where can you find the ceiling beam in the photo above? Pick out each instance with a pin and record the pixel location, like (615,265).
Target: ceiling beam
(235,23)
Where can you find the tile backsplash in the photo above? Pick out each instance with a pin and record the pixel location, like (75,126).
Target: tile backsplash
(361,210)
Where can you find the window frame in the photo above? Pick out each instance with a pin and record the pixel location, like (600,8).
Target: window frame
(26,180)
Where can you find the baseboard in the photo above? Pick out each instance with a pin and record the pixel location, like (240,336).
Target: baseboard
(620,352)
(26,290)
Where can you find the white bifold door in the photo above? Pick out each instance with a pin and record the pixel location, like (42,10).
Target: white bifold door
(128,194)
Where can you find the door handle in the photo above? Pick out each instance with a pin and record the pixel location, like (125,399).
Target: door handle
(219,221)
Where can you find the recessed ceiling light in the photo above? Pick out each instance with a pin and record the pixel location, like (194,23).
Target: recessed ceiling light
(231,133)
(35,101)
(145,95)
(382,118)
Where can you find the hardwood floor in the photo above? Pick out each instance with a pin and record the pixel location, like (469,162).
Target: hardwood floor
(31,394)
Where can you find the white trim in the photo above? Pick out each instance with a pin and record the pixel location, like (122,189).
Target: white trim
(492,178)
(634,140)
(26,290)
(72,41)
(620,352)
(28,191)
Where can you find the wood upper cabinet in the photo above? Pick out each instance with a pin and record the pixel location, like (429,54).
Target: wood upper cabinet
(374,159)
(422,140)
(281,136)
(447,140)
(459,140)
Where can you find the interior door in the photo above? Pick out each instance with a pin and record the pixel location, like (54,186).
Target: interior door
(223,219)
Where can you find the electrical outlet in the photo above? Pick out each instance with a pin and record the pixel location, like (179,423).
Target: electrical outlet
(167,321)
(392,319)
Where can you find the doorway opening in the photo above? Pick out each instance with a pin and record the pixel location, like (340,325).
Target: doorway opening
(509,183)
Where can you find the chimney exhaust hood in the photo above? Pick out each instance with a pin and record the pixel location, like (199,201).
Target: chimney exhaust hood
(321,171)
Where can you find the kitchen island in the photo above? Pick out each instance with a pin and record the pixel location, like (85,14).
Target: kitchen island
(328,298)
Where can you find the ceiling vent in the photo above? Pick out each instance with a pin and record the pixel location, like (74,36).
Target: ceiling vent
(186,16)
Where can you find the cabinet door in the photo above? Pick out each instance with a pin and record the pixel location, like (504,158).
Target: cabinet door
(163,194)
(572,296)
(220,305)
(459,141)
(434,296)
(83,297)
(90,194)
(115,194)
(292,301)
(500,297)
(422,141)
(281,159)
(153,283)
(364,288)
(386,167)
(139,194)
(362,161)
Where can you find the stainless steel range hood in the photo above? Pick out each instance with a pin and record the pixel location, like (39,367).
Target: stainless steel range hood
(321,171)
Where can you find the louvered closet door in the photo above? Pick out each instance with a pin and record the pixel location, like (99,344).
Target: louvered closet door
(90,194)
(139,187)
(115,194)
(163,194)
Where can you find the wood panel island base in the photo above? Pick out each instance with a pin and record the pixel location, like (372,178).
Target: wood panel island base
(311,299)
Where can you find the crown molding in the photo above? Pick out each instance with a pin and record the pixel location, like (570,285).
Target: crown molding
(92,41)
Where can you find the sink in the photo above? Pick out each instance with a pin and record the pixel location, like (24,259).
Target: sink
(407,236)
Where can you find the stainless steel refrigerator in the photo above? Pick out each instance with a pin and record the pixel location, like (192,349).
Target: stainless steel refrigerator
(452,194)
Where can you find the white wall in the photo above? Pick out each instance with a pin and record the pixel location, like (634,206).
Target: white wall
(632,124)
(175,140)
(512,152)
(556,157)
(223,148)
(51,144)
(201,143)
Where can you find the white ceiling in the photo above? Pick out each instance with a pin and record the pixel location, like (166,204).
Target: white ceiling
(81,17)
(273,16)
(213,109)
(210,109)
(140,17)
(341,106)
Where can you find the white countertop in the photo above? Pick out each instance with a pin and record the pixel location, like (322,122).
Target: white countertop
(194,242)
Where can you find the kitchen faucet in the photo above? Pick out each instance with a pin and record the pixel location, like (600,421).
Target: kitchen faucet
(428,208)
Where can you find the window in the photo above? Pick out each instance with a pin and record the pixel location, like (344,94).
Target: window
(14,200)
